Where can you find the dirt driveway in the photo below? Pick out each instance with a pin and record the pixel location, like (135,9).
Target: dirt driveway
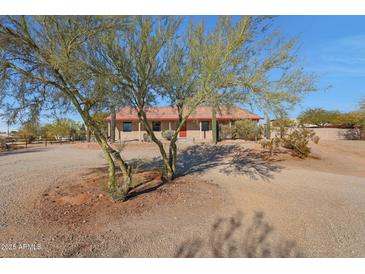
(318,204)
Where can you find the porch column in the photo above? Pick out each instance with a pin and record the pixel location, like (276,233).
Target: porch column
(109,131)
(169,125)
(139,131)
(230,123)
(200,130)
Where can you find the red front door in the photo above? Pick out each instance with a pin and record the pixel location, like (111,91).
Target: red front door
(183,131)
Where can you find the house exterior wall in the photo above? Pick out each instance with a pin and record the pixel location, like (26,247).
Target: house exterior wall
(193,130)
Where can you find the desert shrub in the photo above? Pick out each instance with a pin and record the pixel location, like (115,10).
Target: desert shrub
(283,124)
(247,130)
(2,143)
(167,134)
(298,140)
(315,139)
(227,132)
(271,144)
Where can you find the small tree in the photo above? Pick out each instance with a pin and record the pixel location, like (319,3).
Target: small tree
(318,116)
(30,131)
(349,119)
(283,122)
(64,128)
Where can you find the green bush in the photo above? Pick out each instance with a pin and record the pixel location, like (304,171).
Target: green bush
(244,129)
(247,130)
(167,134)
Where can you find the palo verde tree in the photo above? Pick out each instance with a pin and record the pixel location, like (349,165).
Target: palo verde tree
(179,81)
(42,65)
(142,62)
(251,63)
(318,116)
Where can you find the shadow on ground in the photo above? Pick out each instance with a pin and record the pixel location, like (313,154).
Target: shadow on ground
(198,159)
(232,238)
(22,151)
(233,160)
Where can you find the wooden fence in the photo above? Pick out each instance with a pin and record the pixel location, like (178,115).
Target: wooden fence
(11,143)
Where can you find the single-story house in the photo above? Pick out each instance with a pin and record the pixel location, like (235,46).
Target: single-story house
(197,127)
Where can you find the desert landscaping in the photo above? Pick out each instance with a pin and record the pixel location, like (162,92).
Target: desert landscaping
(179,137)
(55,203)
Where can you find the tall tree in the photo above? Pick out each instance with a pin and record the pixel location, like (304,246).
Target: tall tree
(151,60)
(179,81)
(133,59)
(42,64)
(249,62)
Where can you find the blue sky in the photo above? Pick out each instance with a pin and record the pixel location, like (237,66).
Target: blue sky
(334,48)
(331,46)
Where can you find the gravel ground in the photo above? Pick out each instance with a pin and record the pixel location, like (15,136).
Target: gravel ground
(313,202)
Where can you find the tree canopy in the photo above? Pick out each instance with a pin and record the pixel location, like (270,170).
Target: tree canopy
(318,116)
(92,64)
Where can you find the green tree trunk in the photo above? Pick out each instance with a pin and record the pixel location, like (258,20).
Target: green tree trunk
(169,172)
(268,129)
(88,134)
(112,124)
(214,126)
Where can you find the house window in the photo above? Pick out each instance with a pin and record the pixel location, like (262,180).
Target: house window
(156,126)
(205,125)
(127,126)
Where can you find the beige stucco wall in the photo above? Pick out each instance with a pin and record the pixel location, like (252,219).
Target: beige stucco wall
(331,133)
(192,127)
(337,133)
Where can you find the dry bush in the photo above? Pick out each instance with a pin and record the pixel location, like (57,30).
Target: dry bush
(271,144)
(227,132)
(167,134)
(2,144)
(244,129)
(298,140)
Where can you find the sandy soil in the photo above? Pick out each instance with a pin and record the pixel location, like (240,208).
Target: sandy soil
(53,205)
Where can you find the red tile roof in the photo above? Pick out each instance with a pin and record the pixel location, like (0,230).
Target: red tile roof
(170,114)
